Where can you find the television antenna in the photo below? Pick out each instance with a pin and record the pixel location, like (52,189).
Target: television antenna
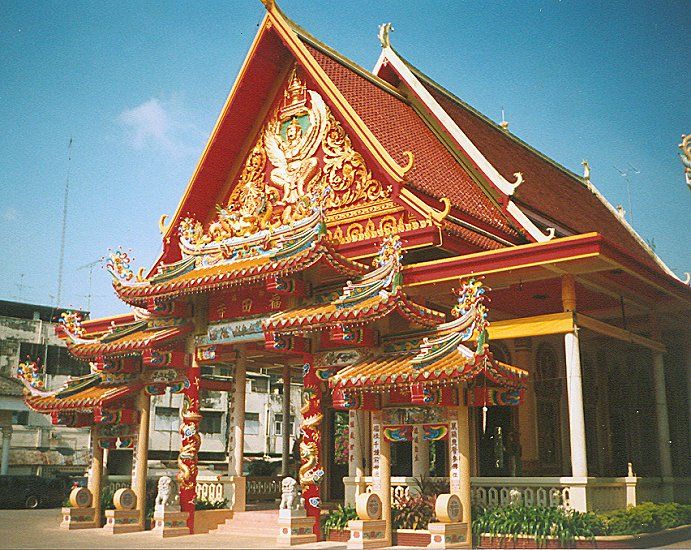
(61,264)
(90,266)
(627,174)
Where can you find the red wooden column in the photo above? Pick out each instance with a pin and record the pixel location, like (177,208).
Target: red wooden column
(311,469)
(191,441)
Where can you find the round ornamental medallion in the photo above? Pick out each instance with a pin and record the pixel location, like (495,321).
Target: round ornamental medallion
(448,508)
(125,499)
(80,497)
(368,506)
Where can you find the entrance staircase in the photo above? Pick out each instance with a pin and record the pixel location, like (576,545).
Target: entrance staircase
(256,523)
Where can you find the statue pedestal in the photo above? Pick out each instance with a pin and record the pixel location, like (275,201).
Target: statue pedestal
(122,521)
(295,527)
(367,533)
(448,535)
(79,518)
(170,522)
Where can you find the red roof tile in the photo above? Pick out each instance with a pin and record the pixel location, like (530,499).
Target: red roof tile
(547,190)
(399,128)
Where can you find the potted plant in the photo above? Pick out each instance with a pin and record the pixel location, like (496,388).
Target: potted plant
(335,523)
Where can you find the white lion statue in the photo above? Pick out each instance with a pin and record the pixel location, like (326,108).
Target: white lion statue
(290,496)
(167,496)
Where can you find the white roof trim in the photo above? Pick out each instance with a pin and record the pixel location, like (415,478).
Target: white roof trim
(463,141)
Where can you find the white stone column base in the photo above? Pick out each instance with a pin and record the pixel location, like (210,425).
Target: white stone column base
(79,518)
(122,521)
(367,533)
(171,524)
(448,535)
(295,530)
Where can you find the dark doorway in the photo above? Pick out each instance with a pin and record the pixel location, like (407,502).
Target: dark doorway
(495,454)
(336,458)
(402,459)
(119,462)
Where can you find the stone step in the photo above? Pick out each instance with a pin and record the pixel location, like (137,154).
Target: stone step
(260,523)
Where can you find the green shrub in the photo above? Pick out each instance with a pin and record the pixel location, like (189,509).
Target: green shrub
(539,523)
(204,504)
(646,518)
(412,512)
(338,518)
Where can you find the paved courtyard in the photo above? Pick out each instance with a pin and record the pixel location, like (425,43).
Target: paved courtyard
(39,529)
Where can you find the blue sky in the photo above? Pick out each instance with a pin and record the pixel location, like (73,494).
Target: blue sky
(138,86)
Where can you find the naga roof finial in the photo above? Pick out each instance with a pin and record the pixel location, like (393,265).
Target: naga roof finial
(586,170)
(384,31)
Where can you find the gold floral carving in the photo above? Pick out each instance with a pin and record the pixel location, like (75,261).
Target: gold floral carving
(345,173)
(387,225)
(285,176)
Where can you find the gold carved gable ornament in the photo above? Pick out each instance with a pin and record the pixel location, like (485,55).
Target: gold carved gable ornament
(302,159)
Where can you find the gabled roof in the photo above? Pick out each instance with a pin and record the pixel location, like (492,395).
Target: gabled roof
(403,149)
(84,400)
(551,195)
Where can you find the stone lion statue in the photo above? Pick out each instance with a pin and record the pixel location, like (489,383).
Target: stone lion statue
(167,496)
(290,495)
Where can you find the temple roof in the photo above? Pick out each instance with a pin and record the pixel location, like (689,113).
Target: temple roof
(551,194)
(232,262)
(330,315)
(127,339)
(400,128)
(399,370)
(84,400)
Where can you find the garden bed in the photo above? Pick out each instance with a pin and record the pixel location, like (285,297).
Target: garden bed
(643,540)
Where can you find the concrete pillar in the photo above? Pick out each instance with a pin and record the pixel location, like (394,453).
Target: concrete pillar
(460,458)
(381,470)
(420,453)
(96,474)
(527,411)
(285,427)
(141,455)
(236,450)
(574,385)
(6,440)
(663,439)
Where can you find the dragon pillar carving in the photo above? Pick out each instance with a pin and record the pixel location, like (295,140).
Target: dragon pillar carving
(191,441)
(311,470)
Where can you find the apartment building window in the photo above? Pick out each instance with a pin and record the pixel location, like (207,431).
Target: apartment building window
(167,419)
(278,424)
(57,359)
(20,418)
(258,385)
(251,423)
(211,422)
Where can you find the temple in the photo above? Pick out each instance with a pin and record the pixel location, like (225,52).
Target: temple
(456,305)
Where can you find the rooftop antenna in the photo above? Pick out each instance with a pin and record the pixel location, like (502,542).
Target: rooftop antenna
(626,174)
(90,266)
(61,264)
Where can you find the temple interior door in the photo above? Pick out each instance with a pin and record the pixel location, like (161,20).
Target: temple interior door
(496,456)
(402,459)
(337,454)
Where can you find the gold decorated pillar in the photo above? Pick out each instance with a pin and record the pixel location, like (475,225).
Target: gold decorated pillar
(141,456)
(381,470)
(96,474)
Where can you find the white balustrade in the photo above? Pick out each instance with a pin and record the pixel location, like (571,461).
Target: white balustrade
(490,492)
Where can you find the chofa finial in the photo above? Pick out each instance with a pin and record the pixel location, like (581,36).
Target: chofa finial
(586,170)
(384,31)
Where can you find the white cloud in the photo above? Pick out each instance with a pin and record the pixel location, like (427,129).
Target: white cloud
(10,215)
(160,124)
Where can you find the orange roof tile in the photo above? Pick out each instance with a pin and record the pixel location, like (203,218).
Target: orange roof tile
(84,400)
(324,316)
(150,338)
